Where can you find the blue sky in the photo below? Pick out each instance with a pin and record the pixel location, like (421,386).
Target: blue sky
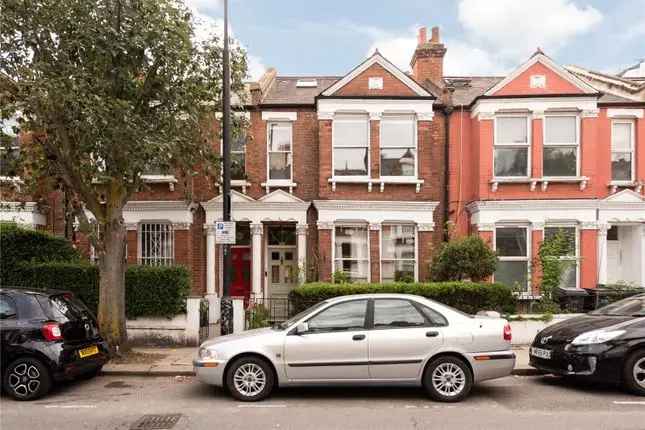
(483,37)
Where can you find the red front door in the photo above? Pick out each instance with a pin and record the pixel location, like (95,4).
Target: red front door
(241,282)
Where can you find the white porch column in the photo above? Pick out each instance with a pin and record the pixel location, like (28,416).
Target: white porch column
(602,253)
(210,260)
(301,231)
(256,262)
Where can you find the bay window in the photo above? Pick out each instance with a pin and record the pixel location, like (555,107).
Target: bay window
(350,137)
(512,246)
(351,251)
(156,244)
(569,254)
(511,152)
(561,146)
(622,150)
(398,145)
(398,253)
(279,145)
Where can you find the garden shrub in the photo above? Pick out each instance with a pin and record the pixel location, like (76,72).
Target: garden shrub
(465,258)
(468,297)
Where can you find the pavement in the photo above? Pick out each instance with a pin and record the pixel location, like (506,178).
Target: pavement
(179,362)
(514,402)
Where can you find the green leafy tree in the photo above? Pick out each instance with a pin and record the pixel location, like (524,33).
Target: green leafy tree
(466,258)
(553,262)
(106,90)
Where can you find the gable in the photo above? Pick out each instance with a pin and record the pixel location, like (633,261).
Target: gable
(540,76)
(280,196)
(394,81)
(625,196)
(359,86)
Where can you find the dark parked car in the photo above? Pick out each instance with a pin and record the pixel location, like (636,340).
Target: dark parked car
(607,344)
(47,336)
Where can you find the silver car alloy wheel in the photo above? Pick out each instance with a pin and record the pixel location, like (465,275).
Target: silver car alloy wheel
(24,379)
(249,379)
(639,372)
(448,379)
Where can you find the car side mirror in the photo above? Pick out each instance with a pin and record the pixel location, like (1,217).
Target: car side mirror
(302,328)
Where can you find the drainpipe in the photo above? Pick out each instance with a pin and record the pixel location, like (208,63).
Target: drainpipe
(448,108)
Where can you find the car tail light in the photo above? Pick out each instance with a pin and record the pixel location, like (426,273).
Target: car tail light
(51,331)
(507,333)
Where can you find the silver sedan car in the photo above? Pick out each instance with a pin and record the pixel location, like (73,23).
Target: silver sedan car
(363,339)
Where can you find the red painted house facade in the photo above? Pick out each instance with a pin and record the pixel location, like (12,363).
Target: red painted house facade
(367,173)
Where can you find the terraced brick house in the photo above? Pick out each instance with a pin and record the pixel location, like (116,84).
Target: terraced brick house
(363,173)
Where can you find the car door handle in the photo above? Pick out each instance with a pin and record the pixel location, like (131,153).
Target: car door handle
(358,337)
(432,333)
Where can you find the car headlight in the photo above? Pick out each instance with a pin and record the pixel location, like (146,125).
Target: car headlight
(596,336)
(207,354)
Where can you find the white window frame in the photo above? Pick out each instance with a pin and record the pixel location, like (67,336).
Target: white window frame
(342,117)
(528,257)
(163,260)
(575,257)
(278,182)
(511,145)
(632,125)
(221,147)
(369,247)
(416,249)
(415,140)
(546,144)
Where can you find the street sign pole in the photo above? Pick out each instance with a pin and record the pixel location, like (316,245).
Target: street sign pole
(227,304)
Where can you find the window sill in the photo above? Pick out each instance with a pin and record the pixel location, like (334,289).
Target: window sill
(279,184)
(545,181)
(160,179)
(636,185)
(379,181)
(237,183)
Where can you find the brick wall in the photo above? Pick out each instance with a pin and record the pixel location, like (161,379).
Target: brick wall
(358,86)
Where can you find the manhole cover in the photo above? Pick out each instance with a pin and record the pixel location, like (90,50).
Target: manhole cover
(156,422)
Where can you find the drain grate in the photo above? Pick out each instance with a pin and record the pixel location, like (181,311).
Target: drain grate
(156,422)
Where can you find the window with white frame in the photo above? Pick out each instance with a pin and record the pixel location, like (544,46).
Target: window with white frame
(512,246)
(511,153)
(238,158)
(351,251)
(561,146)
(622,150)
(398,145)
(156,243)
(567,236)
(398,252)
(279,151)
(350,139)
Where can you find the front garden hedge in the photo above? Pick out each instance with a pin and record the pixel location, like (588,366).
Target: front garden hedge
(469,297)
(151,291)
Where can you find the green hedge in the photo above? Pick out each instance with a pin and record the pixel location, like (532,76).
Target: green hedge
(149,291)
(21,245)
(468,297)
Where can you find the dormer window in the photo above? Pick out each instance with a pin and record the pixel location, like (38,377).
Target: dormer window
(512,144)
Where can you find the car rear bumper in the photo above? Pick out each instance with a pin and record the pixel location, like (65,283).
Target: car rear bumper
(492,365)
(70,365)
(210,371)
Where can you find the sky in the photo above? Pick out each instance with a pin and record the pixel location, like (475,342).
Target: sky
(483,37)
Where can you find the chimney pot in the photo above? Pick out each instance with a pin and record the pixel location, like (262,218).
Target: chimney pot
(422,36)
(435,35)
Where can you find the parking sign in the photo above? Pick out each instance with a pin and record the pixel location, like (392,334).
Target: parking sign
(225,232)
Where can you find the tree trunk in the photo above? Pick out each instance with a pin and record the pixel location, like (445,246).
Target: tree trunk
(112,267)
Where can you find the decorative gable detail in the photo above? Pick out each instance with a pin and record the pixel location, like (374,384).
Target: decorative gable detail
(379,66)
(540,75)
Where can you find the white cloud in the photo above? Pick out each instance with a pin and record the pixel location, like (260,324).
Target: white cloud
(208,25)
(514,29)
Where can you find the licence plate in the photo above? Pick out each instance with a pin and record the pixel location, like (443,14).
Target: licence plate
(541,353)
(90,350)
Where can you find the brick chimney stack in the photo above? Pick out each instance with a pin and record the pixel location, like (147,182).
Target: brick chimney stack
(427,61)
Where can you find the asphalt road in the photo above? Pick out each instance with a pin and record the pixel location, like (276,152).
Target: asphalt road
(544,403)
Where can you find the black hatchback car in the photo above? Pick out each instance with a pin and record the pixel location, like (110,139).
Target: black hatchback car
(607,344)
(47,336)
